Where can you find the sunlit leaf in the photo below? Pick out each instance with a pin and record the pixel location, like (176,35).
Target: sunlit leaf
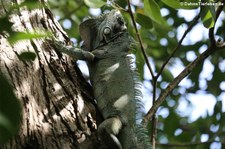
(94,3)
(208,15)
(143,20)
(16,36)
(31,4)
(152,10)
(176,4)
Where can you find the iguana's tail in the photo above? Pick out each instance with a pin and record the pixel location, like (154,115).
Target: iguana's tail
(143,139)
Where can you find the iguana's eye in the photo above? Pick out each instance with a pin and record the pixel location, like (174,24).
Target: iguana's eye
(107,31)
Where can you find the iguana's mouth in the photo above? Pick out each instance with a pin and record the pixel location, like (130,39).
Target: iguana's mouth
(112,39)
(117,35)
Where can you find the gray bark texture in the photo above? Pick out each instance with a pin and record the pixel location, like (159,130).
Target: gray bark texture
(58,108)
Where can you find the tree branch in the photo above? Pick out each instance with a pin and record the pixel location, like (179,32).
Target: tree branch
(178,46)
(177,80)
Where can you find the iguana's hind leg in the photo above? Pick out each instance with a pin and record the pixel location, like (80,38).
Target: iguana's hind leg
(127,137)
(108,131)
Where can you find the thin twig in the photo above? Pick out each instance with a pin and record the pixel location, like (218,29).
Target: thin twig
(139,39)
(178,45)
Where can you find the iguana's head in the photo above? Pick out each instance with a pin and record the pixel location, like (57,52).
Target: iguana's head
(96,32)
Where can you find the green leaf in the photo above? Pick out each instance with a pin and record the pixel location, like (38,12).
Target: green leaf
(143,20)
(140,63)
(218,108)
(6,125)
(27,56)
(94,3)
(152,9)
(31,4)
(10,111)
(16,36)
(176,4)
(208,15)
(160,29)
(167,75)
(218,77)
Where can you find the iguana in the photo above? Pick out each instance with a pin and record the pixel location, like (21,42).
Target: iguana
(106,46)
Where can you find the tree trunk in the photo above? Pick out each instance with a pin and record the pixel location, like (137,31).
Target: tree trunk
(58,108)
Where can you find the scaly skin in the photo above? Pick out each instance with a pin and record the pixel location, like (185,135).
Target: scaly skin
(113,85)
(112,78)
(106,47)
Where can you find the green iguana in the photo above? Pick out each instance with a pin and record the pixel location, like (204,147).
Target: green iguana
(115,86)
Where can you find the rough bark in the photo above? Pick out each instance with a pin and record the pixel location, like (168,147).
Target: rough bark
(58,107)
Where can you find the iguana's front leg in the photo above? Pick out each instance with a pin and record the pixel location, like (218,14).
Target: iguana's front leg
(76,53)
(100,53)
(109,128)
